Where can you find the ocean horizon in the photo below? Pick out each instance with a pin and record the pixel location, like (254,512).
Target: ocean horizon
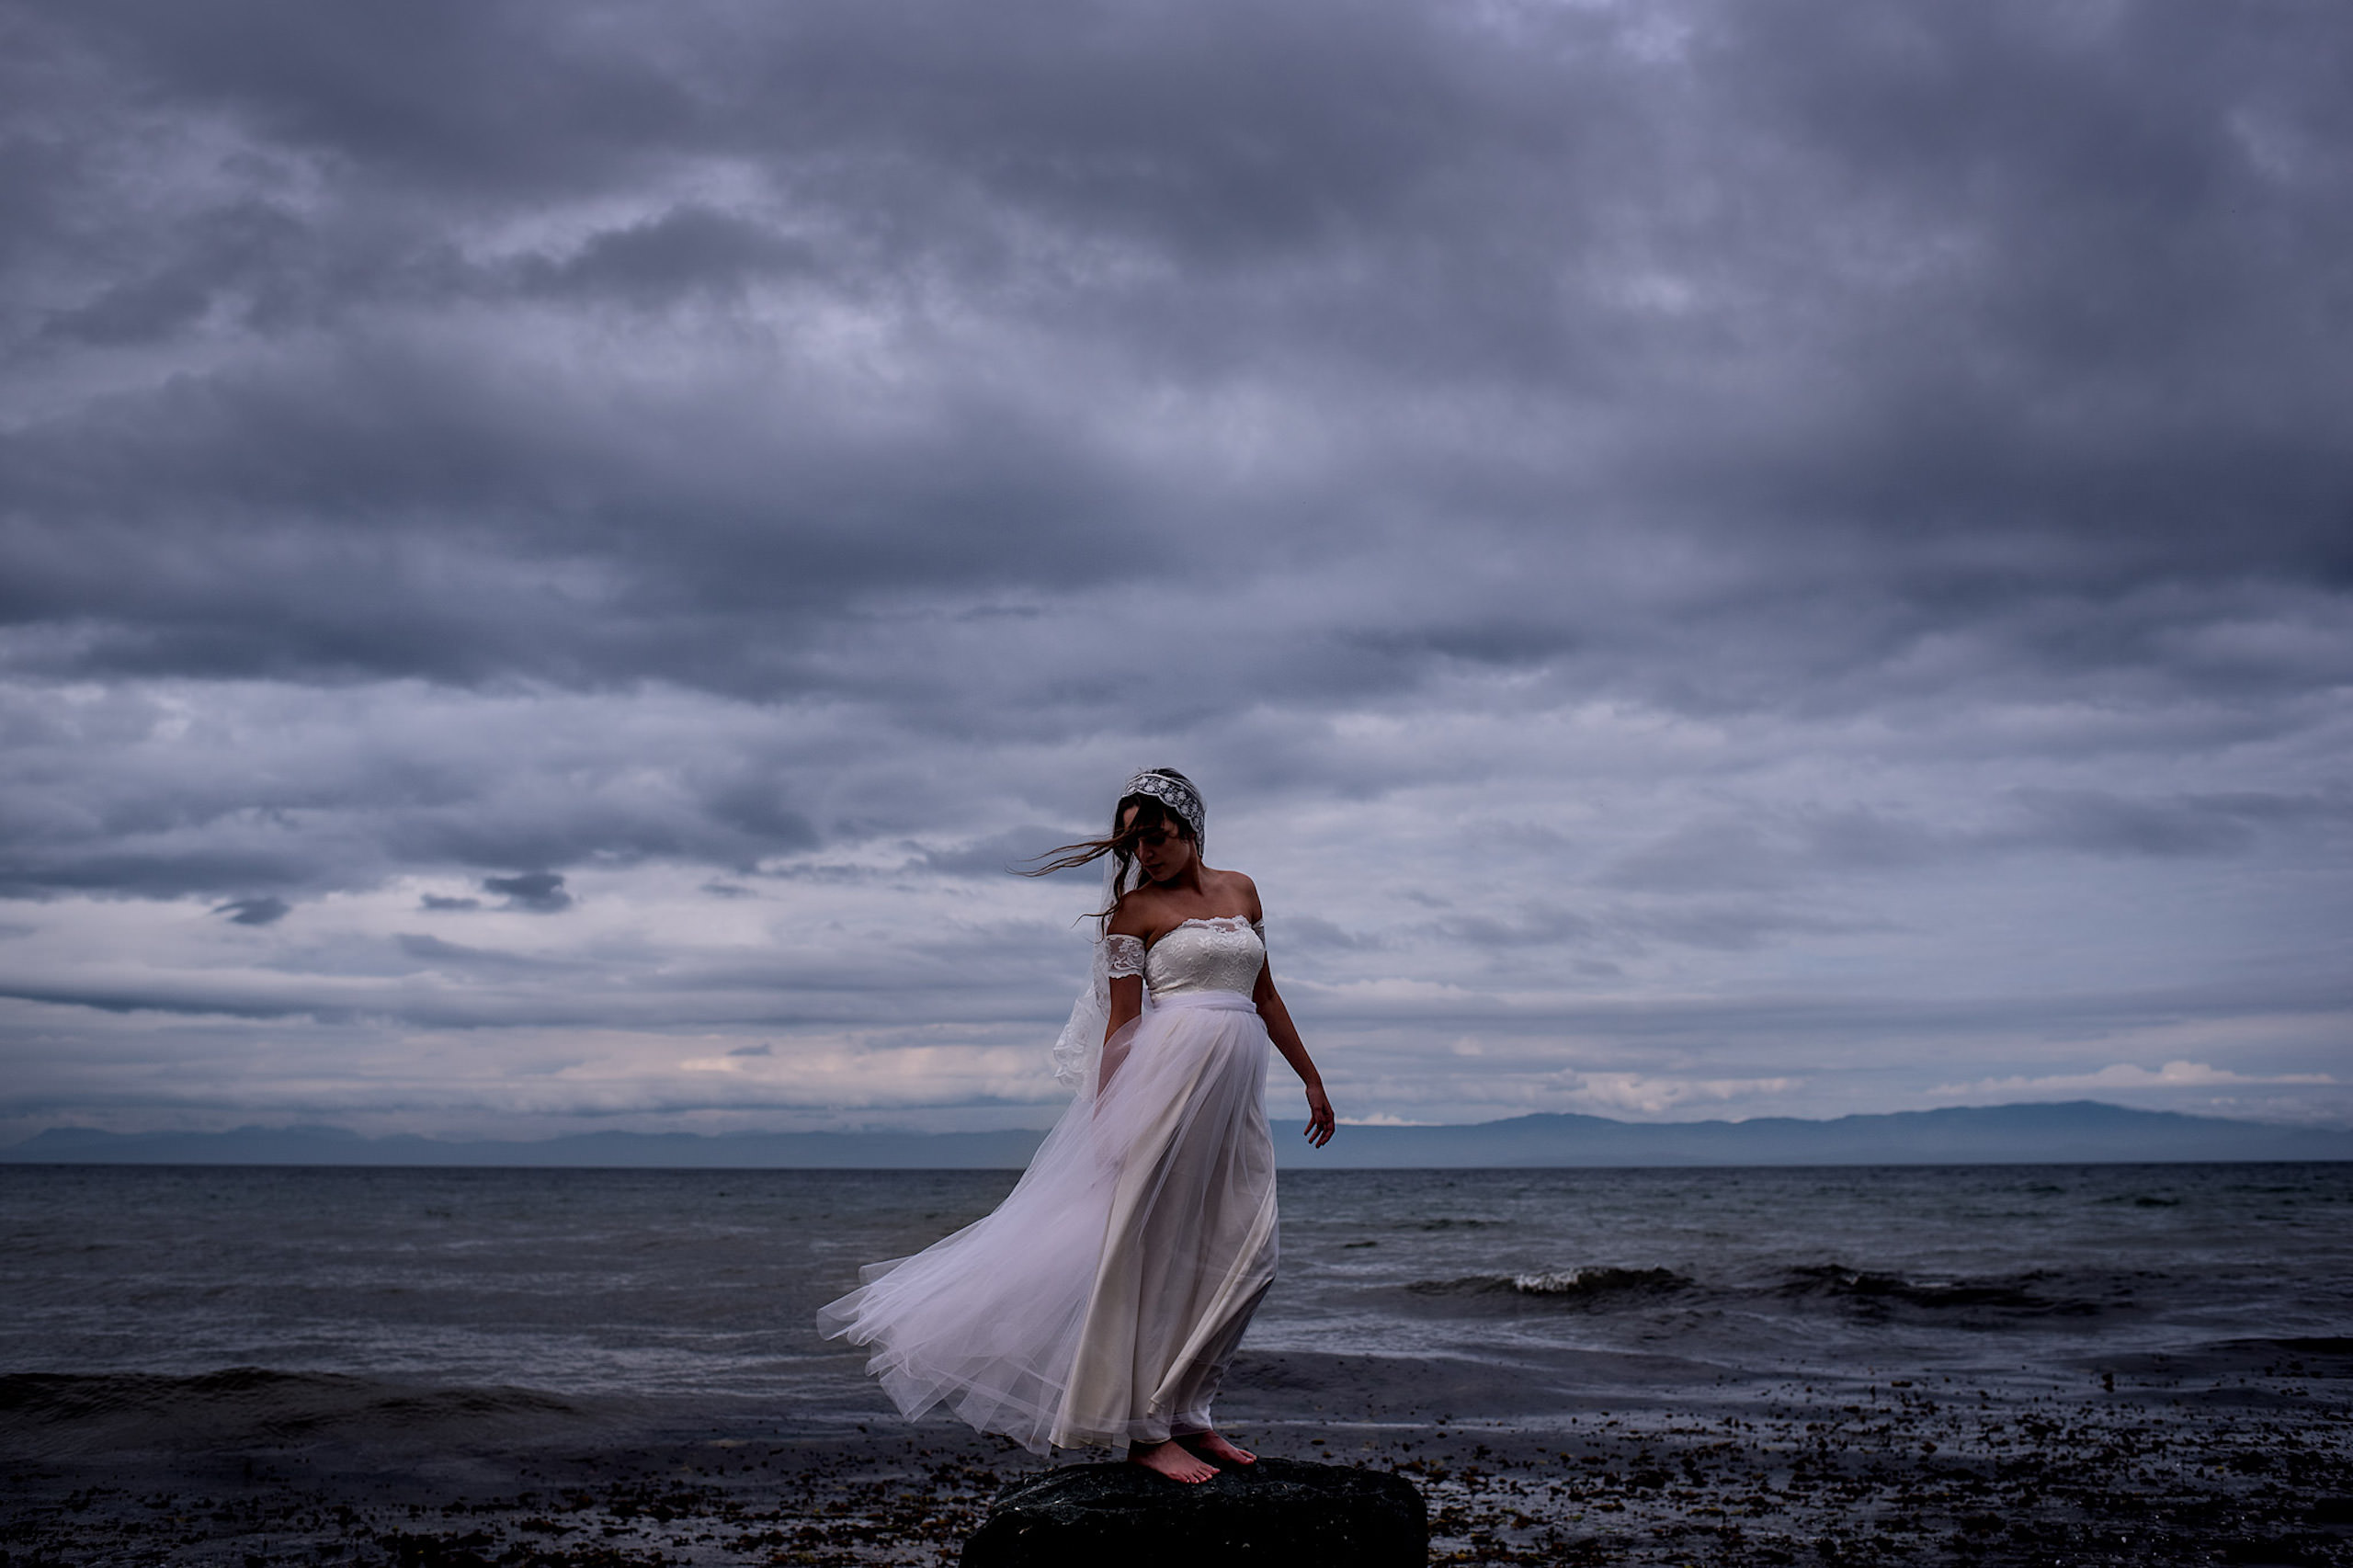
(2078,1132)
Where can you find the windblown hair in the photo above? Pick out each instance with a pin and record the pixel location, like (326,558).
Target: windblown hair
(1152,815)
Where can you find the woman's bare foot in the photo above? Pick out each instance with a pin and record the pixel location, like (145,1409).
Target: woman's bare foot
(1171,1459)
(1208,1445)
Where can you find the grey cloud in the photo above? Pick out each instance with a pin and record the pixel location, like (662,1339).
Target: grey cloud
(2100,823)
(1491,641)
(39,870)
(1793,1019)
(1706,856)
(254,911)
(687,250)
(920,979)
(182,1000)
(1533,924)
(541,893)
(1734,927)
(1773,851)
(259,797)
(2097,822)
(1614,929)
(428,949)
(753,808)
(1313,933)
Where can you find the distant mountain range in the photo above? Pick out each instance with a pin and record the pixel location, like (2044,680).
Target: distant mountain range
(2079,1132)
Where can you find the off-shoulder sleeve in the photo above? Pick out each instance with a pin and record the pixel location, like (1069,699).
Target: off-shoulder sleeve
(1126,955)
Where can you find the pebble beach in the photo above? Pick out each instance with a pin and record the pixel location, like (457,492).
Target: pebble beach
(2245,1458)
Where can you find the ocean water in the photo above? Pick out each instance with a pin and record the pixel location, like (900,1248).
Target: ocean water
(1508,1295)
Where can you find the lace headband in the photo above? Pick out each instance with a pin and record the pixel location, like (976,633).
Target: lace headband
(1172,792)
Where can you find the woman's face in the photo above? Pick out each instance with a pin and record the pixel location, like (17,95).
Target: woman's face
(1163,852)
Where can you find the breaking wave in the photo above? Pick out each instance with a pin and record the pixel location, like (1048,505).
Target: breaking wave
(1597,1286)
(1875,1292)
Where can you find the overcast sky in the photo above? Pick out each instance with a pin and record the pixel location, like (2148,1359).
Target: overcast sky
(1770,558)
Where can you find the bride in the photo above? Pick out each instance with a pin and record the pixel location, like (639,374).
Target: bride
(1103,1299)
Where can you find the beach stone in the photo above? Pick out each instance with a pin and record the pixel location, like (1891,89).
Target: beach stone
(1276,1511)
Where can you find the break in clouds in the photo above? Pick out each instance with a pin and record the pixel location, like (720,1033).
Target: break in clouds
(1714,560)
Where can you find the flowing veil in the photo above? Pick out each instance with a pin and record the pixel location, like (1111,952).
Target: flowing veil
(1079,1049)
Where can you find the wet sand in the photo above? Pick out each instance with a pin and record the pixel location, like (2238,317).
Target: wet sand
(2240,1453)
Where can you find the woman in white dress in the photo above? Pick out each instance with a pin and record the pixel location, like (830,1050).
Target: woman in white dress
(1101,1303)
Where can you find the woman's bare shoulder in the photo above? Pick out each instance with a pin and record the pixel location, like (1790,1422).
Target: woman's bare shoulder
(1134,916)
(1235,887)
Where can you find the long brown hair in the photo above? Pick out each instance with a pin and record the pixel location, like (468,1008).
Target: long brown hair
(1152,815)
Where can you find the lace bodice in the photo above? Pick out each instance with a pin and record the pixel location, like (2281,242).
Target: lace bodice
(1224,952)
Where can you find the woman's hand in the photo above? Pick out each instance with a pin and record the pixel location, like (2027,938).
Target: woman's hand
(1285,1035)
(1319,1116)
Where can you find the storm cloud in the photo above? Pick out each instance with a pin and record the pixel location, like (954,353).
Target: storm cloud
(1772,557)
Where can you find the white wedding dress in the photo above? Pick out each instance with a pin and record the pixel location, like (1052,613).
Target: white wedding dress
(1104,1298)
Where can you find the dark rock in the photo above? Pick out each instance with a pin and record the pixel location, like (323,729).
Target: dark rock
(1276,1511)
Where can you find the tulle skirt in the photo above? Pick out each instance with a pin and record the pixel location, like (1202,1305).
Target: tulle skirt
(1102,1301)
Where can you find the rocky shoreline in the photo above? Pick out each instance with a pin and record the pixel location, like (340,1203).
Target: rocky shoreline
(2244,1460)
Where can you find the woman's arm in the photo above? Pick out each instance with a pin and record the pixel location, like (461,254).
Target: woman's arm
(1285,1034)
(1127,1003)
(1130,918)
(1128,921)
